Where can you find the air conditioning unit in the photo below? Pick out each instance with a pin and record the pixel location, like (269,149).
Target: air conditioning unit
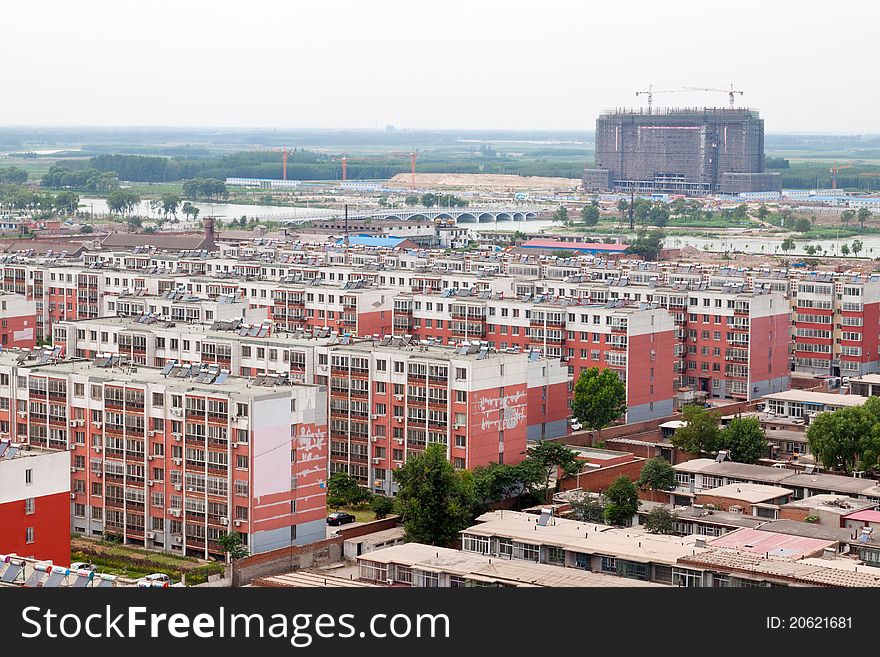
(178,487)
(150,482)
(97,448)
(237,523)
(150,535)
(377,459)
(72,468)
(176,436)
(375,416)
(152,433)
(178,539)
(224,521)
(23,413)
(233,445)
(73,496)
(174,512)
(73,423)
(399,419)
(398,397)
(99,474)
(457,426)
(178,461)
(97,424)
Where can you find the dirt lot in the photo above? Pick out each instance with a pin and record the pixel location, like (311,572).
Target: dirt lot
(485,181)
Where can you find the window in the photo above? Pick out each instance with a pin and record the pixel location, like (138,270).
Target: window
(609,565)
(556,555)
(241,462)
(28,477)
(30,505)
(472,543)
(29,535)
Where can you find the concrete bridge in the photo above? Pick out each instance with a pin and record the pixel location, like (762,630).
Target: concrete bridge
(460,215)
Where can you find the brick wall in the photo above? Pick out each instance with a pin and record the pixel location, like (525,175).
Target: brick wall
(319,553)
(793,513)
(599,480)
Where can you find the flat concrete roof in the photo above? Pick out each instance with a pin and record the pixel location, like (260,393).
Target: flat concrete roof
(866,378)
(487,568)
(753,493)
(810,397)
(840,504)
(808,529)
(632,544)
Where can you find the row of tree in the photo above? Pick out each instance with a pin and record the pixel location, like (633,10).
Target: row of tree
(13,197)
(742,438)
(429,200)
(61,176)
(13,176)
(205,188)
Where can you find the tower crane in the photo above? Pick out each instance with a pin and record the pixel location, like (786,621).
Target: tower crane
(413,156)
(834,171)
(730,92)
(650,91)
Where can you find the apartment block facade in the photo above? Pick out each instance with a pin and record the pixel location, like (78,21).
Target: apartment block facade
(173,459)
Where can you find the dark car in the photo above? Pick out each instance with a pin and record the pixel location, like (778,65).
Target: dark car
(340,518)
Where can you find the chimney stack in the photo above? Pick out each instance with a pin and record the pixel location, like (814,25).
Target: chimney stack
(208,223)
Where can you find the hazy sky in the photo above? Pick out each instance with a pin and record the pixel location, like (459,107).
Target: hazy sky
(809,66)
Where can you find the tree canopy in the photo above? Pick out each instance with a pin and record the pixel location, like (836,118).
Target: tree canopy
(435,501)
(700,434)
(660,521)
(647,244)
(657,474)
(599,398)
(847,439)
(344,490)
(622,501)
(547,458)
(744,439)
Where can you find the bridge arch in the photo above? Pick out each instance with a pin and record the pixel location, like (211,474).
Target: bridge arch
(486,217)
(466,217)
(519,216)
(503,216)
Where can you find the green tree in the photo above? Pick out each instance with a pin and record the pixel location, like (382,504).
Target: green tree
(549,458)
(844,249)
(622,207)
(762,212)
(587,508)
(660,521)
(744,439)
(788,244)
(658,215)
(561,215)
(344,490)
(857,247)
(190,211)
(170,203)
(134,222)
(86,229)
(622,501)
(122,201)
(66,202)
(802,224)
(599,398)
(863,215)
(810,249)
(843,439)
(590,215)
(412,199)
(429,200)
(232,546)
(435,501)
(647,244)
(657,474)
(382,506)
(846,216)
(700,433)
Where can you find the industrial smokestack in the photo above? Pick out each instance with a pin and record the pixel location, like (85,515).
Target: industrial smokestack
(208,224)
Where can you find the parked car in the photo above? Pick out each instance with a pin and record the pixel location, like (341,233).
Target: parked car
(155,579)
(82,565)
(575,425)
(340,518)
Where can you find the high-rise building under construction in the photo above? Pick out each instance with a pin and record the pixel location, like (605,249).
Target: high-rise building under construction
(685,151)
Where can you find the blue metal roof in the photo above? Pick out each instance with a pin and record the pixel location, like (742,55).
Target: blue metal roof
(368,240)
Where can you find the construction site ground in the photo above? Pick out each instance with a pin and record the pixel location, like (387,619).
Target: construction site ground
(485,181)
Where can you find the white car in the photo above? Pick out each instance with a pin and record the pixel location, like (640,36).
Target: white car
(155,579)
(82,565)
(575,425)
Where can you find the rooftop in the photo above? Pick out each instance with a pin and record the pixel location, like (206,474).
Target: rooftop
(753,493)
(493,569)
(771,543)
(866,515)
(629,543)
(820,398)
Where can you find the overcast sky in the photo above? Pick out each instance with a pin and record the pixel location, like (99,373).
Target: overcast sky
(809,66)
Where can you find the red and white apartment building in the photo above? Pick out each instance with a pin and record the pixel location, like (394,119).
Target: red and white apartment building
(18,322)
(174,458)
(34,502)
(375,400)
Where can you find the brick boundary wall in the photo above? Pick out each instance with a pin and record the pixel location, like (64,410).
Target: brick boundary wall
(289,559)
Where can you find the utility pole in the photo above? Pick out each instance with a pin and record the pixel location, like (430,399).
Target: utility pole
(345,240)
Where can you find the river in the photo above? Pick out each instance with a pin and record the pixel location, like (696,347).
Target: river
(220,210)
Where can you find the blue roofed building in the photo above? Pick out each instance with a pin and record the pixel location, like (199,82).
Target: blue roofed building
(379,242)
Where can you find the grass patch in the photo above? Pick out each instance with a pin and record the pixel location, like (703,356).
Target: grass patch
(360,514)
